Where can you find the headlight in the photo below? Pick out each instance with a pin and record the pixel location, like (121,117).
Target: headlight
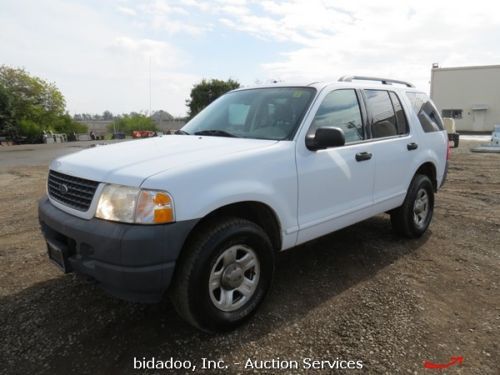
(132,205)
(117,203)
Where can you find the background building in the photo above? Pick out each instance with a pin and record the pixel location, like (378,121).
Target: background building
(165,122)
(470,95)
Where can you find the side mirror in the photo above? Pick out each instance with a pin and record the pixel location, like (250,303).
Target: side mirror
(325,138)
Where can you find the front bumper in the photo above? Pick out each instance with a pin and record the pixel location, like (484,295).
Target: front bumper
(132,262)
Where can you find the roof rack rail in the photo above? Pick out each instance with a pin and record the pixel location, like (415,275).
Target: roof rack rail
(385,81)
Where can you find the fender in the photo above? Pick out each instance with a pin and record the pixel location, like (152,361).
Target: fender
(266,175)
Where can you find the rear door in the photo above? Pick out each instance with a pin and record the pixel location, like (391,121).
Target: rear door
(434,139)
(335,184)
(394,147)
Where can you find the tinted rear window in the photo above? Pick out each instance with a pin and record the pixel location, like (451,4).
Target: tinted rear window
(426,112)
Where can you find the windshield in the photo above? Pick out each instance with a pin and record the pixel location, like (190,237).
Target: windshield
(265,113)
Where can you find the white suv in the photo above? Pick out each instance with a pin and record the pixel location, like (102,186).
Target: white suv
(202,214)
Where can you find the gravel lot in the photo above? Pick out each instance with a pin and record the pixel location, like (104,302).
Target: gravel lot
(358,294)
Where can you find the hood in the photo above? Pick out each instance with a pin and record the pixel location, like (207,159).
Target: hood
(130,163)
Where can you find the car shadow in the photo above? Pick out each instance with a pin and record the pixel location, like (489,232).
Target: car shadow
(67,325)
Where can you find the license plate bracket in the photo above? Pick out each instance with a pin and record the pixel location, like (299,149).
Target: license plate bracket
(58,254)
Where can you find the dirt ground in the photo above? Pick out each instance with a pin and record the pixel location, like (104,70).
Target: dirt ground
(359,294)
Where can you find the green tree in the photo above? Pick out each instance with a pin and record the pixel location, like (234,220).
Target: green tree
(107,115)
(65,124)
(6,113)
(131,122)
(30,105)
(205,92)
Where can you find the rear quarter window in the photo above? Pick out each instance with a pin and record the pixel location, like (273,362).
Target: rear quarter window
(427,114)
(400,114)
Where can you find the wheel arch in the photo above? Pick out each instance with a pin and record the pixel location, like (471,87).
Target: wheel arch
(428,169)
(254,211)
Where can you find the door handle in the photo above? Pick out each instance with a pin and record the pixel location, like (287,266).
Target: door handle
(411,146)
(360,156)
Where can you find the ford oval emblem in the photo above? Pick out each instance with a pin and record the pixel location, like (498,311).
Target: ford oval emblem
(63,189)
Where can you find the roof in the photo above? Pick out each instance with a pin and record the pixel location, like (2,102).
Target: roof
(322,84)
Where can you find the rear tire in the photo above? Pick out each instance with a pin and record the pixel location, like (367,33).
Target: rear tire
(223,274)
(413,217)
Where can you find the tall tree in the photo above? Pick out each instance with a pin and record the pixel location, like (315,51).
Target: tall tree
(205,92)
(32,97)
(107,115)
(6,112)
(34,104)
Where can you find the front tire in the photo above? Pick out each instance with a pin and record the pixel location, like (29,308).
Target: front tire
(413,217)
(223,274)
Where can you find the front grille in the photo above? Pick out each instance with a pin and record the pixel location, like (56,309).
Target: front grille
(71,191)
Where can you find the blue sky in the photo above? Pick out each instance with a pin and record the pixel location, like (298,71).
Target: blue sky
(98,52)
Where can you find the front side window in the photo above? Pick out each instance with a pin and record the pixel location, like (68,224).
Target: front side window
(384,123)
(264,113)
(340,109)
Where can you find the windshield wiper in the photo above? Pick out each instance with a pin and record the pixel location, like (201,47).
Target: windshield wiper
(215,133)
(182,132)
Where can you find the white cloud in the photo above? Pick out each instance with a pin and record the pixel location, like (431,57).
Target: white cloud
(163,7)
(201,5)
(99,56)
(173,19)
(98,64)
(395,39)
(173,26)
(127,11)
(161,53)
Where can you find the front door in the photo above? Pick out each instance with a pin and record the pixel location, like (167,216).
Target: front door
(335,184)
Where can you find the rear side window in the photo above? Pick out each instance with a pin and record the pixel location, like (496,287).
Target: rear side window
(402,123)
(340,108)
(383,117)
(427,113)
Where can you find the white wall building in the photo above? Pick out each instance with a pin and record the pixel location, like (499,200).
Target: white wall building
(470,95)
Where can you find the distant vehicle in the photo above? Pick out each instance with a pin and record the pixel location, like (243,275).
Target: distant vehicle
(143,134)
(20,140)
(83,137)
(495,136)
(453,136)
(118,135)
(203,213)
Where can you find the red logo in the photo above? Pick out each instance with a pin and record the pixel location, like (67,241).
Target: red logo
(453,361)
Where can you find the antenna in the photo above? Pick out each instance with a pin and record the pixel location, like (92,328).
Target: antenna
(149,85)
